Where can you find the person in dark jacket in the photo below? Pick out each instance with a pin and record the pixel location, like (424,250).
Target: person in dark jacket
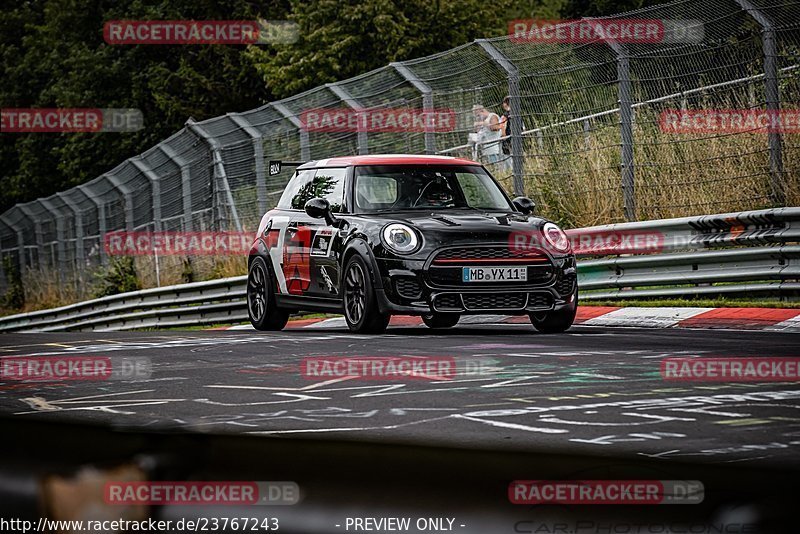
(505,130)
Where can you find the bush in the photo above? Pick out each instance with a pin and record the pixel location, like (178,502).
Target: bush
(187,274)
(15,293)
(119,277)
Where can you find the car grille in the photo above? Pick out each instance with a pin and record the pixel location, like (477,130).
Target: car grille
(540,300)
(408,287)
(446,267)
(448,301)
(452,256)
(495,301)
(565,285)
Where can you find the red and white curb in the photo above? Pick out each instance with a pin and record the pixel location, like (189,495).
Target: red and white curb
(774,319)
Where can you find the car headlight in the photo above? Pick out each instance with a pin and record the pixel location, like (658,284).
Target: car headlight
(400,238)
(555,237)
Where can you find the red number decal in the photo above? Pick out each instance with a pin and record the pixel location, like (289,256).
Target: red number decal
(296,261)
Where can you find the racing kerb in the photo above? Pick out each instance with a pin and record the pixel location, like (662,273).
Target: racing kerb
(755,253)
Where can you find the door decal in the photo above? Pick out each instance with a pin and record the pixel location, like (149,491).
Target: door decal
(296,260)
(321,244)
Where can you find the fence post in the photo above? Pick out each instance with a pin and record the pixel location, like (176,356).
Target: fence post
(155,188)
(20,242)
(772,96)
(186,184)
(219,169)
(352,103)
(514,116)
(258,155)
(587,139)
(626,129)
(305,145)
(127,195)
(61,251)
(37,231)
(427,101)
(101,220)
(79,251)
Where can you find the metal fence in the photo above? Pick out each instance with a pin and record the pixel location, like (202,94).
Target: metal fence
(729,254)
(585,141)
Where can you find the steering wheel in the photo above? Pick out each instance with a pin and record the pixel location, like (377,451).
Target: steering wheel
(424,188)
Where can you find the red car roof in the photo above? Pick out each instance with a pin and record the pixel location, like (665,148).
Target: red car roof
(390,159)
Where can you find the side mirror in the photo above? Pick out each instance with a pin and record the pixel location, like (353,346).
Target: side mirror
(524,204)
(319,208)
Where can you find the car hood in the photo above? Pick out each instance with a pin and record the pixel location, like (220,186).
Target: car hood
(444,228)
(463,220)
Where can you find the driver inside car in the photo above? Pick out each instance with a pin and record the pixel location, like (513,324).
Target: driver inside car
(436,193)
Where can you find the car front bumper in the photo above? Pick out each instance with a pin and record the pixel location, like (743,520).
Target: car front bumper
(407,289)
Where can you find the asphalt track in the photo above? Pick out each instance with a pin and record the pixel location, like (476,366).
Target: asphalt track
(590,391)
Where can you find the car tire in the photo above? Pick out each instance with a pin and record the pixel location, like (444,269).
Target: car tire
(261,308)
(359,303)
(441,320)
(558,321)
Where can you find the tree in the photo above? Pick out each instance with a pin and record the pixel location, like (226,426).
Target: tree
(576,9)
(52,55)
(339,39)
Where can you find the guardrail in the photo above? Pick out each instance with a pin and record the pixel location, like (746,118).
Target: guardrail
(212,302)
(725,254)
(747,253)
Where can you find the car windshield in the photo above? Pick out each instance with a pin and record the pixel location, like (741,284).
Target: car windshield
(395,188)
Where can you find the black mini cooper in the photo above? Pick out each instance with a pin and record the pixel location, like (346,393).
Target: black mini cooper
(435,236)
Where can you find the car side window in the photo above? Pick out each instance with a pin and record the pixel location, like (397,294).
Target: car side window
(329,184)
(298,182)
(313,183)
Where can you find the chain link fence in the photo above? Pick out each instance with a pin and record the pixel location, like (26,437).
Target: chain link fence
(585,140)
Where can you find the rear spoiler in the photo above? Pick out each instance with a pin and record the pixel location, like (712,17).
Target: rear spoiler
(275,165)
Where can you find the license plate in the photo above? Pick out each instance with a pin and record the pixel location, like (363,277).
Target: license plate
(494,274)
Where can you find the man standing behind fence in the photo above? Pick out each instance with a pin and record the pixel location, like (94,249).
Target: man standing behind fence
(489,129)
